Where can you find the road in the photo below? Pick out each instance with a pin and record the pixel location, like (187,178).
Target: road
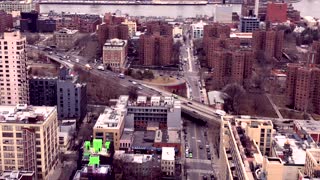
(199,165)
(190,67)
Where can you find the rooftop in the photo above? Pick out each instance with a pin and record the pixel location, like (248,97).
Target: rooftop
(23,113)
(308,126)
(133,158)
(168,153)
(290,148)
(93,170)
(115,43)
(16,175)
(155,101)
(66,31)
(110,118)
(143,139)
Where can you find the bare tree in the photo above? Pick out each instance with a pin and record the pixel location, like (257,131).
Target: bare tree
(235,92)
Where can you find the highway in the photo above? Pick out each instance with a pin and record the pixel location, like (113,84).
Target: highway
(191,107)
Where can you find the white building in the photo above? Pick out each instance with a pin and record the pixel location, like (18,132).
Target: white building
(197,29)
(21,6)
(13,70)
(66,131)
(168,161)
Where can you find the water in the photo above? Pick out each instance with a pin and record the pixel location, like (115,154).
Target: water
(139,10)
(308,8)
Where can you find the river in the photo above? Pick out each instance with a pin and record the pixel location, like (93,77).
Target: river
(308,8)
(171,11)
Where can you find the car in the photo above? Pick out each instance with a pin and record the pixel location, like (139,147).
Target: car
(200,146)
(189,102)
(133,82)
(101,68)
(190,154)
(130,80)
(212,177)
(77,60)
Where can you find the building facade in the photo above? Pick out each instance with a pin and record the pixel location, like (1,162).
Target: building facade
(249,24)
(43,91)
(6,21)
(33,130)
(115,54)
(277,12)
(168,161)
(13,76)
(65,38)
(197,29)
(110,124)
(132,27)
(22,6)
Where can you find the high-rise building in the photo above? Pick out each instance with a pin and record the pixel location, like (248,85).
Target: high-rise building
(14,80)
(316,50)
(115,54)
(110,124)
(249,24)
(72,98)
(197,29)
(29,139)
(155,50)
(277,12)
(28,21)
(303,90)
(112,31)
(132,26)
(6,21)
(269,42)
(43,91)
(159,28)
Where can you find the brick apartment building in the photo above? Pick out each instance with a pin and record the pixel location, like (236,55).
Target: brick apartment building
(316,51)
(269,42)
(155,50)
(277,12)
(6,21)
(159,28)
(303,87)
(214,31)
(112,31)
(84,23)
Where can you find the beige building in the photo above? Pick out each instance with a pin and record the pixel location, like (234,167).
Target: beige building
(132,25)
(168,161)
(29,139)
(115,54)
(273,168)
(110,124)
(13,70)
(65,38)
(312,163)
(21,6)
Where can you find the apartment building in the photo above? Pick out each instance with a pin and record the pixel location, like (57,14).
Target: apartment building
(132,27)
(13,69)
(277,12)
(84,23)
(43,91)
(269,42)
(112,31)
(159,28)
(302,87)
(22,6)
(161,112)
(115,54)
(6,21)
(155,50)
(249,24)
(312,165)
(241,139)
(168,161)
(65,38)
(29,138)
(110,124)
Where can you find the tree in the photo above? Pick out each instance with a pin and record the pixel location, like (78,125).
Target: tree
(133,92)
(234,92)
(148,74)
(137,75)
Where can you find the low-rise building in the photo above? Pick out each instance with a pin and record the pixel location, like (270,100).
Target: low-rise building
(94,172)
(197,29)
(307,130)
(110,124)
(115,54)
(67,129)
(65,38)
(168,161)
(17,175)
(312,165)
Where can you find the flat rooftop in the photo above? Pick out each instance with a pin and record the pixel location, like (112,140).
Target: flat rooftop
(155,101)
(132,158)
(308,126)
(143,139)
(23,113)
(297,146)
(168,153)
(110,118)
(98,170)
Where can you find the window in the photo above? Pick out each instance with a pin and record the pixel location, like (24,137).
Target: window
(7,134)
